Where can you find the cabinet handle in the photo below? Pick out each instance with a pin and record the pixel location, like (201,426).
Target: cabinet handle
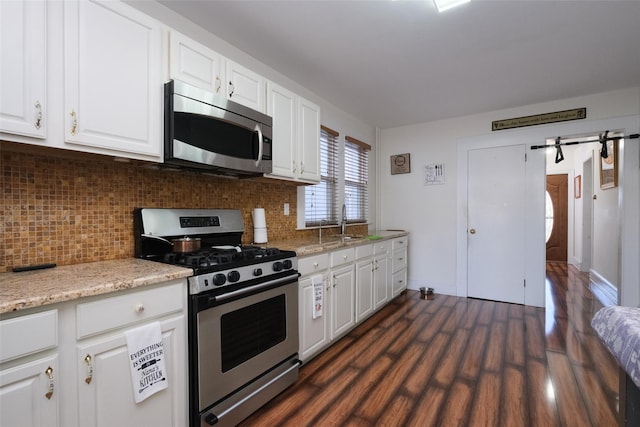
(49,372)
(301,167)
(89,377)
(231,88)
(74,122)
(218,84)
(139,308)
(294,167)
(38,122)
(335,281)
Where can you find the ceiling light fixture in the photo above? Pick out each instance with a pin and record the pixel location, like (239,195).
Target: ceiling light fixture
(443,5)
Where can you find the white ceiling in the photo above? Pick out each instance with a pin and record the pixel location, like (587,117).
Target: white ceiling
(393,63)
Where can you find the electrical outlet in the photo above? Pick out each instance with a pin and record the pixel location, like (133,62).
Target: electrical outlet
(286,209)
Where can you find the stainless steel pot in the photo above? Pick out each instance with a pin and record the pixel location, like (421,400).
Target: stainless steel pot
(183,245)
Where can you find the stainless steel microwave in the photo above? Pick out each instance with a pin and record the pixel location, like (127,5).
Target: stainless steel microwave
(207,132)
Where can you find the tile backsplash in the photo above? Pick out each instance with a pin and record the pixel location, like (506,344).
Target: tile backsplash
(69,208)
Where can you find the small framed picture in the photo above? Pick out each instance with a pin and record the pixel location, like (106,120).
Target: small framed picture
(400,163)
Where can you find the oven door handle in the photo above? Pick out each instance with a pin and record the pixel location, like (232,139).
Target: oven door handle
(253,288)
(213,419)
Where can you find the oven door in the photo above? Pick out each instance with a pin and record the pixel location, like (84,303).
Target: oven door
(239,337)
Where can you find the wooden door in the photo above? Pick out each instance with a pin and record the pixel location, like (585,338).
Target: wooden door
(496,224)
(557,242)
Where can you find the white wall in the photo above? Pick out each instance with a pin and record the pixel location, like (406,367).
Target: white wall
(429,212)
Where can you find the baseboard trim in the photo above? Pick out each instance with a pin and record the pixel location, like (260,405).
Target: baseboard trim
(602,289)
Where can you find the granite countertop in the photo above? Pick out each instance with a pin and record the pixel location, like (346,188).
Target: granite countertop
(29,289)
(311,246)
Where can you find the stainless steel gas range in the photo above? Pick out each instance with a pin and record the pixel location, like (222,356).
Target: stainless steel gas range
(243,309)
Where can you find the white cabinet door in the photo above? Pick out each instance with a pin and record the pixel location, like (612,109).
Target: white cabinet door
(342,299)
(23,58)
(364,288)
(314,333)
(282,107)
(24,390)
(309,141)
(398,282)
(245,87)
(112,74)
(195,63)
(380,280)
(105,393)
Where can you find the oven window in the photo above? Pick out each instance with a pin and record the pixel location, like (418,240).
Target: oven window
(251,330)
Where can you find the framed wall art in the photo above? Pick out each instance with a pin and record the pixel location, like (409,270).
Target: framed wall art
(400,163)
(609,166)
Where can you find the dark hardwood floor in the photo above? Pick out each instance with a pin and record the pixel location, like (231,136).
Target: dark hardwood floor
(461,362)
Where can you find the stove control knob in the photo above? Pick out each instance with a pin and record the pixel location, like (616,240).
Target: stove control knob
(277,266)
(287,264)
(219,279)
(257,272)
(233,276)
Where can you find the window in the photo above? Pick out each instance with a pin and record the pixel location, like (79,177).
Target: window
(321,200)
(356,180)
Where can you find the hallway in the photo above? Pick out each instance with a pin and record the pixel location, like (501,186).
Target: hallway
(462,362)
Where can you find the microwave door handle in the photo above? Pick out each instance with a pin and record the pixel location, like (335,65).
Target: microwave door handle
(260,141)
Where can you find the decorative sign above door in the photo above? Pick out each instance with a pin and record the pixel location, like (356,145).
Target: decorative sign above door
(540,119)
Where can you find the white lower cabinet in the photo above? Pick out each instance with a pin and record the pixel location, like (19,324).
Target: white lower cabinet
(399,265)
(337,315)
(356,281)
(380,280)
(29,370)
(76,372)
(364,281)
(28,393)
(314,332)
(342,299)
(105,393)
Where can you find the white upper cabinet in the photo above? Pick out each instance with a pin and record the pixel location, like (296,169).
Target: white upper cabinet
(195,63)
(112,79)
(309,141)
(23,58)
(296,135)
(282,106)
(245,87)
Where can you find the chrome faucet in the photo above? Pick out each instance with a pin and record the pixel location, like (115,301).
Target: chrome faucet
(343,223)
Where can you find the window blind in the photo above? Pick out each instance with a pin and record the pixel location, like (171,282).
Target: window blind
(356,179)
(321,200)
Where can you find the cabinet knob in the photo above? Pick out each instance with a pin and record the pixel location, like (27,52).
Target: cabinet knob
(315,265)
(472,231)
(139,308)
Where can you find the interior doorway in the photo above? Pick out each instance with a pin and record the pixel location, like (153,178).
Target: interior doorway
(556,217)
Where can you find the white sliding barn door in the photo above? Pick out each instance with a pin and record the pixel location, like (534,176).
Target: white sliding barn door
(496,190)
